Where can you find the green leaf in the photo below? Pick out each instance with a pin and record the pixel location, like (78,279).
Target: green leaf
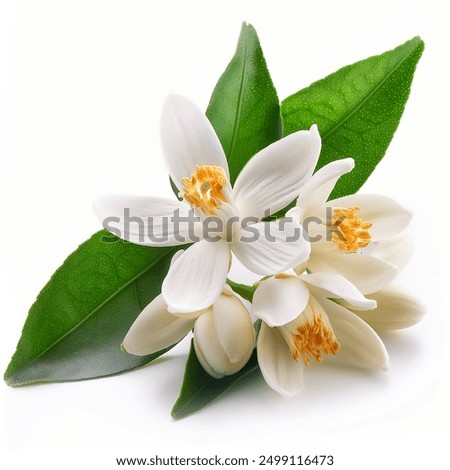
(175,190)
(244,107)
(246,292)
(199,389)
(74,329)
(257,326)
(357,109)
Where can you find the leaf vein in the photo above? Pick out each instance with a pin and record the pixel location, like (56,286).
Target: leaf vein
(92,313)
(367,98)
(239,104)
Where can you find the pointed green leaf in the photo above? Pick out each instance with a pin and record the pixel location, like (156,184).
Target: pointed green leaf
(74,329)
(357,109)
(244,107)
(199,389)
(175,190)
(245,291)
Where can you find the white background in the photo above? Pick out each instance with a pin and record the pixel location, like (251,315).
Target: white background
(82,86)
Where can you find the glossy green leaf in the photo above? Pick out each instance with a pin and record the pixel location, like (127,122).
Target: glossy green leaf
(245,291)
(244,107)
(357,109)
(74,329)
(200,389)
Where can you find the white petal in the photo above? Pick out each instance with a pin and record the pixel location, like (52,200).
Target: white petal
(337,286)
(176,256)
(196,278)
(317,190)
(272,247)
(234,328)
(388,217)
(207,347)
(273,177)
(209,350)
(360,345)
(188,139)
(279,301)
(155,329)
(147,220)
(396,310)
(397,251)
(281,372)
(367,273)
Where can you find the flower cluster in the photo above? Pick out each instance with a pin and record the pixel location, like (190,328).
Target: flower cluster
(322,294)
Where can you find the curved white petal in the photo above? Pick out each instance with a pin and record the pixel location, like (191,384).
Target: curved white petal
(155,329)
(337,286)
(396,310)
(274,176)
(149,221)
(281,372)
(367,273)
(204,363)
(188,139)
(317,190)
(197,277)
(397,251)
(388,217)
(176,256)
(210,351)
(272,247)
(234,327)
(360,345)
(207,347)
(278,301)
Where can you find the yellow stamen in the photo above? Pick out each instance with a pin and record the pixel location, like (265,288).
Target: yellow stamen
(205,188)
(350,232)
(312,335)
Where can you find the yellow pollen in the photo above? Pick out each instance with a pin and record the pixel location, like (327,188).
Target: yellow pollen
(313,340)
(350,232)
(204,189)
(281,276)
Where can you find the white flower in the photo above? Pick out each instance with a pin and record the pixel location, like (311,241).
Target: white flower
(223,333)
(396,309)
(349,225)
(300,323)
(198,166)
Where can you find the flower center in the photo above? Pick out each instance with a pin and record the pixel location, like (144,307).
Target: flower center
(350,233)
(205,188)
(312,335)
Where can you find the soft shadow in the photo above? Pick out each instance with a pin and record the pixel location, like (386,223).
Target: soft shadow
(402,345)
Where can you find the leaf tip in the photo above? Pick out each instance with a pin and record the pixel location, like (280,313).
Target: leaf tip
(415,43)
(174,414)
(7,376)
(179,411)
(7,380)
(10,381)
(418,40)
(247,28)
